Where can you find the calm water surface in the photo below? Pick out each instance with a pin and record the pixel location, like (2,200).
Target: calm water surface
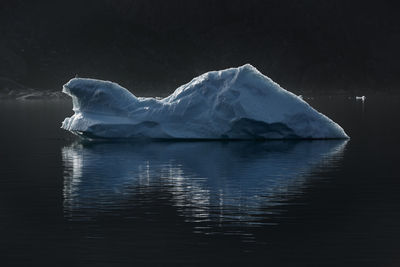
(71,203)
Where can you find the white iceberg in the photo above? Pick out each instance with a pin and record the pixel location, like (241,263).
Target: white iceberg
(236,103)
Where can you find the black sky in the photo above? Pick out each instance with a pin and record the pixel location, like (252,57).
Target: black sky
(153,46)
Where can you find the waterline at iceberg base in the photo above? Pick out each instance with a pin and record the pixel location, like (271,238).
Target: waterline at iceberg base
(236,103)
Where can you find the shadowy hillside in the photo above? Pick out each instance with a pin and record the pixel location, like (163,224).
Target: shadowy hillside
(151,46)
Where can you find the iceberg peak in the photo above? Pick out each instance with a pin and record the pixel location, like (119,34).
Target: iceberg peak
(236,103)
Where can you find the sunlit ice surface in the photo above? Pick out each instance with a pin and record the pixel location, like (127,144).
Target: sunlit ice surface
(235,103)
(213,185)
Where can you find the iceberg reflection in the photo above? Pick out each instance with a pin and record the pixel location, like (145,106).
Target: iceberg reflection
(206,181)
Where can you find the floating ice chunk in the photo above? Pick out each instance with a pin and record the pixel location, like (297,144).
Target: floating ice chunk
(236,103)
(362,98)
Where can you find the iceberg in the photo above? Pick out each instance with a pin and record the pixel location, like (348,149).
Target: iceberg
(236,103)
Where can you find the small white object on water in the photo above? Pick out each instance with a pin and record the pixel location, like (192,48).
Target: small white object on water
(362,98)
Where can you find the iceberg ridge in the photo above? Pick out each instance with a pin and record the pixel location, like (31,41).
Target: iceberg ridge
(236,103)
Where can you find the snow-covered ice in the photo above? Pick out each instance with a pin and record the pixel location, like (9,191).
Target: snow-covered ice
(236,103)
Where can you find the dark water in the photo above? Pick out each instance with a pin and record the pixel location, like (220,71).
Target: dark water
(64,202)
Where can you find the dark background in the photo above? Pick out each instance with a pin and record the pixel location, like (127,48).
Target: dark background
(151,47)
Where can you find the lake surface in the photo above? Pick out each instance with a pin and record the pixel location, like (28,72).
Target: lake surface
(64,202)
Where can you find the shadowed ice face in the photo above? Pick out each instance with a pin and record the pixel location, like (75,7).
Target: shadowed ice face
(102,97)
